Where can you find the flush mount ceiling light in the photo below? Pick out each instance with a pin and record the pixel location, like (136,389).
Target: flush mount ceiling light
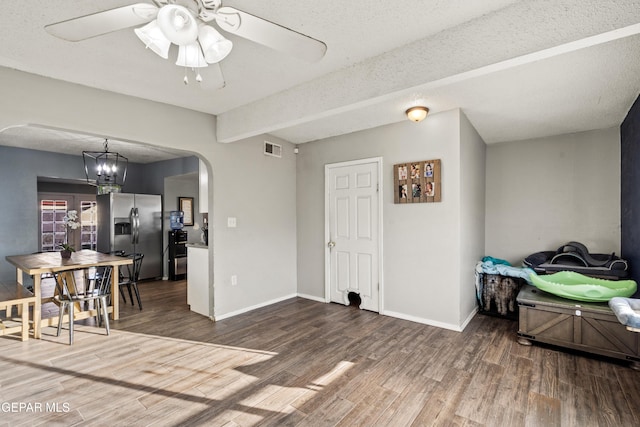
(186,23)
(108,168)
(417,113)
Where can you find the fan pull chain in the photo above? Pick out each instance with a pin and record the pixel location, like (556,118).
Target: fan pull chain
(186,78)
(224,81)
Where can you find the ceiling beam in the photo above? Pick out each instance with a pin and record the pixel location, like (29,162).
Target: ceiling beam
(467,51)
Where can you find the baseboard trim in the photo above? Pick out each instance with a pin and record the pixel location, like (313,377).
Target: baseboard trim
(253,307)
(395,314)
(311,297)
(468,319)
(417,319)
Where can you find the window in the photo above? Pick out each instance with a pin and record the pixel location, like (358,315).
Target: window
(52,214)
(53,233)
(88,224)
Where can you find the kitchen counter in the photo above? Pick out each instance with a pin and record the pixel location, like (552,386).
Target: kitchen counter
(198,289)
(197,245)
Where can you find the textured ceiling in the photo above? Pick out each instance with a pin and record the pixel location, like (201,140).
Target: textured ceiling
(518,69)
(65,142)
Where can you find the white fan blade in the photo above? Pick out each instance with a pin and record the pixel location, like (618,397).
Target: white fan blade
(269,34)
(96,24)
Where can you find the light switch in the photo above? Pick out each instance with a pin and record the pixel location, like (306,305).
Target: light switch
(231,222)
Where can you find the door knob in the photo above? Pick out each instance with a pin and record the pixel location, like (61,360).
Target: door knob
(331,244)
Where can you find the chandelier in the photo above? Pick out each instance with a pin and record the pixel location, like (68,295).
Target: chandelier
(107,169)
(198,44)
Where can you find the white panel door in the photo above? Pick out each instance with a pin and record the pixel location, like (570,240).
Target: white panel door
(353,230)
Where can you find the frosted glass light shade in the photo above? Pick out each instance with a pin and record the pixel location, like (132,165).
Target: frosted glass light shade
(214,45)
(154,39)
(178,25)
(417,114)
(191,56)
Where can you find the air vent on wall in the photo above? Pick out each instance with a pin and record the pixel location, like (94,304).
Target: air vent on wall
(271,149)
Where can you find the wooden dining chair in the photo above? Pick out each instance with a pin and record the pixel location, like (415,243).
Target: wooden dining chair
(71,295)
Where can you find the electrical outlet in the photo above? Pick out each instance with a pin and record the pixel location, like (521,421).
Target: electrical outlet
(234,280)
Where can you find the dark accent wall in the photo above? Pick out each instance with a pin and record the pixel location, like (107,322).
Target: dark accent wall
(630,188)
(20,170)
(155,173)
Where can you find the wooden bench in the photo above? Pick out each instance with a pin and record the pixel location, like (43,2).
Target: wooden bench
(11,295)
(591,327)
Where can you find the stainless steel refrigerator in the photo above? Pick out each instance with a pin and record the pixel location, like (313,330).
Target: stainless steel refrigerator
(132,223)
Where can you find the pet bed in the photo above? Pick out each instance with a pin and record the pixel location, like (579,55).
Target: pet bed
(574,256)
(576,286)
(497,286)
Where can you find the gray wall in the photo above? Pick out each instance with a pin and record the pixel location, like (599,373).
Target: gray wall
(19,172)
(258,190)
(174,187)
(183,186)
(422,242)
(154,173)
(545,192)
(472,212)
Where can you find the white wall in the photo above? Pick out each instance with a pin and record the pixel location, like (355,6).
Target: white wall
(421,241)
(259,191)
(545,192)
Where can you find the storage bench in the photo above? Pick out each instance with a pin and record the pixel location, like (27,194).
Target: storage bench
(11,295)
(584,326)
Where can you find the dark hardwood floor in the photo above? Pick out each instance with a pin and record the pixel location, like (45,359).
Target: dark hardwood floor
(304,363)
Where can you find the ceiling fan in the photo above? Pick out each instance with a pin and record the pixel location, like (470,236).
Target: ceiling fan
(186,23)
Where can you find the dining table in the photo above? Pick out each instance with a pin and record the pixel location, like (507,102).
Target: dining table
(37,264)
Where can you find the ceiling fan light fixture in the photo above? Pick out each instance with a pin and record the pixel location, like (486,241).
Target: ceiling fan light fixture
(214,45)
(178,25)
(191,56)
(154,39)
(185,22)
(417,113)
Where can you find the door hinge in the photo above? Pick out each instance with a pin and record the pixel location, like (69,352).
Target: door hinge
(378,187)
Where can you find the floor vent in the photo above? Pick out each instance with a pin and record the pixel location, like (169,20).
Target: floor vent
(271,149)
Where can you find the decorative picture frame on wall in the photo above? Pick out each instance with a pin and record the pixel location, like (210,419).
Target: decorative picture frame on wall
(417,182)
(185,204)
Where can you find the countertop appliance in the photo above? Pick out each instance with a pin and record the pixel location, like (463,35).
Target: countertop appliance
(132,223)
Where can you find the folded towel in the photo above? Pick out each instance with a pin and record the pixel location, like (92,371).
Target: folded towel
(489,267)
